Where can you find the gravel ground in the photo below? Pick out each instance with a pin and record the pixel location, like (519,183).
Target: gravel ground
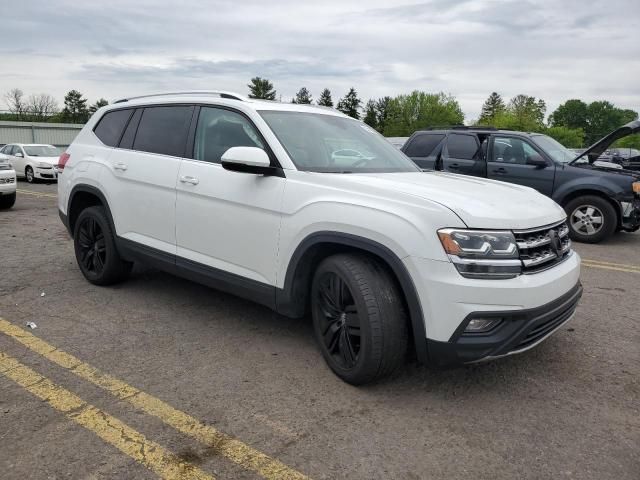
(569,408)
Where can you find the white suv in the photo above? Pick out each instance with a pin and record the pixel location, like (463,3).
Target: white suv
(254,198)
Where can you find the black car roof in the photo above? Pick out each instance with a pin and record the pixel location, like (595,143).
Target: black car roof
(474,129)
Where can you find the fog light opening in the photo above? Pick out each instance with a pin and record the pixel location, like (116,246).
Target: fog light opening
(482,325)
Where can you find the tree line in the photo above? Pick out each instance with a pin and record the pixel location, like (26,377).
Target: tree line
(44,108)
(574,123)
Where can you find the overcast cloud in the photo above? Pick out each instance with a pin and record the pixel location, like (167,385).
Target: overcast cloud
(555,50)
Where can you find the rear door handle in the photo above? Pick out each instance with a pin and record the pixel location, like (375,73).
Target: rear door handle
(499,171)
(120,166)
(453,166)
(188,179)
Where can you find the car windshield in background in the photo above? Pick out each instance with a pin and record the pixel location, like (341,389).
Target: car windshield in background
(41,151)
(556,150)
(331,144)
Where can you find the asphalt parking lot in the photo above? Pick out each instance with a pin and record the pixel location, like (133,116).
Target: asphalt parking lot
(163,377)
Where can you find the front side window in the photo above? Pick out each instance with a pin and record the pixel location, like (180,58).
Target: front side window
(555,149)
(423,145)
(218,130)
(462,146)
(111,125)
(512,150)
(164,130)
(41,151)
(319,142)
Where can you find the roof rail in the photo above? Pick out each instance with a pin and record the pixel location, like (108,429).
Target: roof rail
(217,93)
(462,127)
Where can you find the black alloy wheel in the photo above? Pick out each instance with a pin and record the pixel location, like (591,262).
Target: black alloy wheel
(91,243)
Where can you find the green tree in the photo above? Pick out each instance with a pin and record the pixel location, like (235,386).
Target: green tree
(261,88)
(603,117)
(569,137)
(632,141)
(303,96)
(528,112)
(75,108)
(99,104)
(408,113)
(371,114)
(494,105)
(325,98)
(350,104)
(382,112)
(571,114)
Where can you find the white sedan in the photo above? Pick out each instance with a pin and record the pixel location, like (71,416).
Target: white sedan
(7,183)
(33,161)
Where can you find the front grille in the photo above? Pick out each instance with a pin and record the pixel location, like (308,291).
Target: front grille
(7,180)
(538,249)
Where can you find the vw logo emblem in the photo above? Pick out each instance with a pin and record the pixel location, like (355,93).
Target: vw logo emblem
(556,244)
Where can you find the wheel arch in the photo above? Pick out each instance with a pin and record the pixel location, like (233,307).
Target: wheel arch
(82,197)
(594,192)
(293,299)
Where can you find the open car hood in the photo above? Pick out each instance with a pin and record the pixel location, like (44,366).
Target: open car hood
(594,151)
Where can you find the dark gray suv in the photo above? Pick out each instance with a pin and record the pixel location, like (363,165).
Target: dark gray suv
(598,200)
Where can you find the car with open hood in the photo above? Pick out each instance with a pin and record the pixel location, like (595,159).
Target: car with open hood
(600,198)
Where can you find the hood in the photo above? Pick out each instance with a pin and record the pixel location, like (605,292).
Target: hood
(594,151)
(480,203)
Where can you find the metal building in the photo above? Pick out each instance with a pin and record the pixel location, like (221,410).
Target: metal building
(57,134)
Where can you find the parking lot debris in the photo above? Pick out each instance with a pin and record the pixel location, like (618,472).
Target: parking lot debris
(42,294)
(32,325)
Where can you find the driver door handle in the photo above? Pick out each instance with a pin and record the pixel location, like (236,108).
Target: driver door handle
(120,166)
(453,166)
(188,179)
(499,171)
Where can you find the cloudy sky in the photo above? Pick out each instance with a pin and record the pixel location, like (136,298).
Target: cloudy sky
(111,48)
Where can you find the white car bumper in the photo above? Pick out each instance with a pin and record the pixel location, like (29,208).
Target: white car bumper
(7,182)
(46,173)
(532,307)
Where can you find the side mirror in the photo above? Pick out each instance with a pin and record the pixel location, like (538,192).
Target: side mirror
(18,154)
(247,160)
(537,161)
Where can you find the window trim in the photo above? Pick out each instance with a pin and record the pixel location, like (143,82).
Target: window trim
(492,139)
(464,134)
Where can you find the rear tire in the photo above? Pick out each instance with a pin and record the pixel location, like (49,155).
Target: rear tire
(591,219)
(359,318)
(95,248)
(7,201)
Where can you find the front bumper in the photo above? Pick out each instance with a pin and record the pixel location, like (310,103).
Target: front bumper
(519,331)
(46,173)
(631,215)
(7,182)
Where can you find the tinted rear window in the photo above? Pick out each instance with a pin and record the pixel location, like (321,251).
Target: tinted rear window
(423,145)
(462,146)
(164,130)
(111,125)
(130,132)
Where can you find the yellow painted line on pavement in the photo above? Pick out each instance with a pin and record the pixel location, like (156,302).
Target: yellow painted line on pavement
(618,267)
(108,428)
(223,444)
(37,194)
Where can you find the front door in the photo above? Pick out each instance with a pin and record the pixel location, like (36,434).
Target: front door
(227,222)
(508,162)
(462,154)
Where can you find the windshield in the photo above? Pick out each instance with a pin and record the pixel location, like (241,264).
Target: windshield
(41,151)
(331,144)
(554,149)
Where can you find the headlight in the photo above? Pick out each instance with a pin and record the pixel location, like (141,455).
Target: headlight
(482,254)
(636,187)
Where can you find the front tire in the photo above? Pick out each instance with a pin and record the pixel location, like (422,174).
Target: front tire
(359,318)
(29,175)
(95,248)
(591,219)
(7,201)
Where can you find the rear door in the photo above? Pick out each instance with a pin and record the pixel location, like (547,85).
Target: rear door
(142,173)
(424,149)
(508,162)
(227,221)
(462,154)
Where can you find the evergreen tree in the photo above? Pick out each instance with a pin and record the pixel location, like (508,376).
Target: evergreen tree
(371,114)
(99,104)
(75,108)
(493,106)
(382,112)
(350,104)
(261,88)
(325,98)
(303,96)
